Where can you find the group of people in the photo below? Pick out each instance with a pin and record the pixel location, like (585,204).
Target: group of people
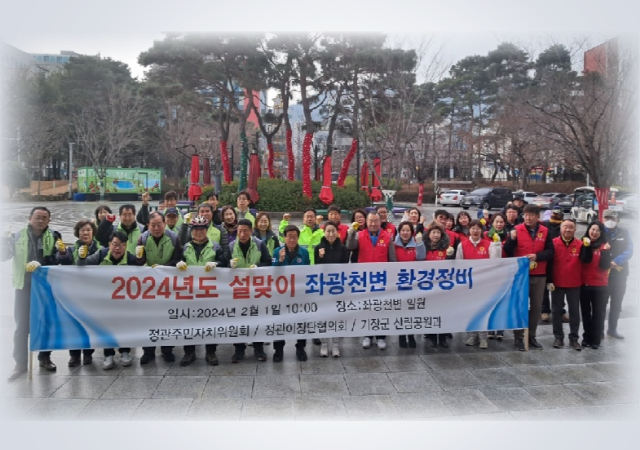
(584,272)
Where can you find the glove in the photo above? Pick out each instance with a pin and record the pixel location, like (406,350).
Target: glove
(586,241)
(83,251)
(32,266)
(208,267)
(483,222)
(153,266)
(234,263)
(533,265)
(449,251)
(514,234)
(551,287)
(181,265)
(139,251)
(418,238)
(496,238)
(187,218)
(60,246)
(354,227)
(253,266)
(111,217)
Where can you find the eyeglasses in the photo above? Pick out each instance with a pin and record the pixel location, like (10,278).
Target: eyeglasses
(116,244)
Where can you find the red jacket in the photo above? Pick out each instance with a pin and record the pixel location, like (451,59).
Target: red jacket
(391,229)
(368,253)
(342,232)
(452,237)
(435,255)
(592,274)
(405,253)
(567,267)
(526,245)
(481,251)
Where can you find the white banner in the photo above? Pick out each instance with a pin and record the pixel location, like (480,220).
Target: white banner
(126,306)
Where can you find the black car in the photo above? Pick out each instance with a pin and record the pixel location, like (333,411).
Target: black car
(566,203)
(487,198)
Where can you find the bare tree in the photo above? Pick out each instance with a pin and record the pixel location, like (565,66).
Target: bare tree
(107,129)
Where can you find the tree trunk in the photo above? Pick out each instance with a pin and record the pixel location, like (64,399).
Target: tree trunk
(270,157)
(306,165)
(290,158)
(225,161)
(244,160)
(602,196)
(420,194)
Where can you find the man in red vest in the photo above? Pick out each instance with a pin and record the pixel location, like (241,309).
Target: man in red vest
(440,216)
(531,240)
(374,245)
(564,278)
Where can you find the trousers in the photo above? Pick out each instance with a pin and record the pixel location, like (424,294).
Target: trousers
(593,305)
(537,285)
(617,289)
(573,300)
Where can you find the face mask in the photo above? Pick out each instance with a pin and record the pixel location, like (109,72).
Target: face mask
(610,224)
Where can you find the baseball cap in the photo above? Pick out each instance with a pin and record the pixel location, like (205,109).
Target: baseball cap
(610,213)
(171,211)
(558,211)
(518,197)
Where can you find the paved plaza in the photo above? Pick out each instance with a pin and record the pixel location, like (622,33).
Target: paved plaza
(458,383)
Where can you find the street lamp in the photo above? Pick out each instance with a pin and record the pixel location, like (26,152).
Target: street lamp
(70,169)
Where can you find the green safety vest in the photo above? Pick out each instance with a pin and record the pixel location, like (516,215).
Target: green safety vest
(158,253)
(213,233)
(22,251)
(208,254)
(247,215)
(178,223)
(77,246)
(253,255)
(132,240)
(107,260)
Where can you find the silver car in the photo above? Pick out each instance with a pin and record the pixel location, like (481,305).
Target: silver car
(452,197)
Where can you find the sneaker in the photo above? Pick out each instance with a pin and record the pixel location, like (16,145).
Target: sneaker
(614,334)
(473,340)
(316,341)
(335,351)
(545,317)
(188,358)
(575,345)
(301,354)
(277,356)
(382,344)
(108,363)
(499,335)
(169,357)
(324,350)
(484,344)
(366,343)
(211,359)
(491,335)
(519,344)
(558,343)
(260,354)
(125,359)
(237,356)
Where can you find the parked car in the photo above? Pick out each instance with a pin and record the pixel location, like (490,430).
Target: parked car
(528,195)
(548,200)
(566,203)
(629,204)
(487,198)
(452,197)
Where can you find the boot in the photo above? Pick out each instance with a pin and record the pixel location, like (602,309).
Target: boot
(443,341)
(412,341)
(403,341)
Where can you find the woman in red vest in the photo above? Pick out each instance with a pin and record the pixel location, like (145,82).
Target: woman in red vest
(408,249)
(595,255)
(462,226)
(497,231)
(475,247)
(359,216)
(438,248)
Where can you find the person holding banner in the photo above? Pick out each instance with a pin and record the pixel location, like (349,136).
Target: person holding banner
(202,252)
(30,248)
(445,219)
(310,233)
(408,248)
(438,248)
(127,224)
(596,260)
(158,247)
(531,240)
(373,245)
(475,247)
(262,231)
(84,230)
(359,216)
(115,255)
(330,250)
(248,252)
(290,254)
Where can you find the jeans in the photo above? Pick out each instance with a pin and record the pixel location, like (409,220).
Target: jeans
(617,289)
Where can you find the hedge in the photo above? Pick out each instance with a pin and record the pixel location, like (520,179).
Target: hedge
(284,195)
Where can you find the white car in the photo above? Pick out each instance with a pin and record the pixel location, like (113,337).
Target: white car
(452,197)
(528,195)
